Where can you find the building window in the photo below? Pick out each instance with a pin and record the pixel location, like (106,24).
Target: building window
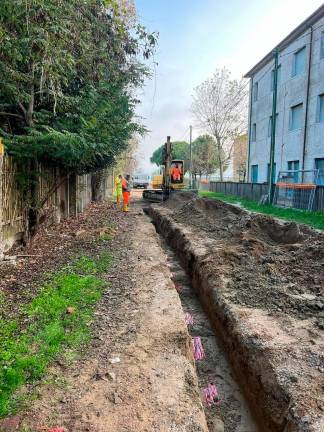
(270,125)
(320,108)
(254,173)
(294,166)
(322,45)
(253,132)
(278,77)
(299,62)
(273,173)
(319,164)
(255,91)
(296,117)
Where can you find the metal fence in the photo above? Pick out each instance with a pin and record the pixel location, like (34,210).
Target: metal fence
(254,191)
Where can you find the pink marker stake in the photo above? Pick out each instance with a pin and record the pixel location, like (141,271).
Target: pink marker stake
(198,350)
(178,287)
(210,394)
(189,319)
(57,429)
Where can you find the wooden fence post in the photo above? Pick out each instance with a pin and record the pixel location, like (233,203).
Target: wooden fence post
(1,199)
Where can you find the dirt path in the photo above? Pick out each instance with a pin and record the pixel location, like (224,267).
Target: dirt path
(138,373)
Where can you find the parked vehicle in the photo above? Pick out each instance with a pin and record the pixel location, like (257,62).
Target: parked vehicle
(141,181)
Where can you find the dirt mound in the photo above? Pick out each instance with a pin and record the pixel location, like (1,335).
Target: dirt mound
(274,265)
(178,199)
(261,282)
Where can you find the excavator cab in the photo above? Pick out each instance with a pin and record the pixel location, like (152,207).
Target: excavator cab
(177,174)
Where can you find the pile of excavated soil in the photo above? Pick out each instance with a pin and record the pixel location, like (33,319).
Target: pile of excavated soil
(261,282)
(272,265)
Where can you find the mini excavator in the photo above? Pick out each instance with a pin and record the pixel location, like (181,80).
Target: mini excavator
(172,178)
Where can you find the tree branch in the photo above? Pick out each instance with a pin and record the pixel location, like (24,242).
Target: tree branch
(11,115)
(23,109)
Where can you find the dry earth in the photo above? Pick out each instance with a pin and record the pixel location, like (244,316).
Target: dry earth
(138,374)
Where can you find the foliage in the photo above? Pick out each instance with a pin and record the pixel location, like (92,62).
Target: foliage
(49,327)
(204,156)
(69,70)
(220,108)
(180,150)
(314,219)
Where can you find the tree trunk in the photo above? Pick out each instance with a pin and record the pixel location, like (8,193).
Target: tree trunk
(221,170)
(29,112)
(96,182)
(220,160)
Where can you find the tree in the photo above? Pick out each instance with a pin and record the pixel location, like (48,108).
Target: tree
(205,159)
(180,150)
(69,71)
(220,108)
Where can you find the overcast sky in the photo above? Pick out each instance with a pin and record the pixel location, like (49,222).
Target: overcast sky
(196,37)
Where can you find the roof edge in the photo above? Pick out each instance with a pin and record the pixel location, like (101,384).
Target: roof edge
(298,31)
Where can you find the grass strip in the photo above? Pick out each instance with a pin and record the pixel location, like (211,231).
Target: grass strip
(313,219)
(58,318)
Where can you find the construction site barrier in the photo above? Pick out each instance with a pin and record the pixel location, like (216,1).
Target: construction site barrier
(296,185)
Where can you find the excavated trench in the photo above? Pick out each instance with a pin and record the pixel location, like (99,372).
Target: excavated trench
(278,377)
(231,412)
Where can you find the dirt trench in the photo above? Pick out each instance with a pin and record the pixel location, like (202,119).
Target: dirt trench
(271,329)
(231,412)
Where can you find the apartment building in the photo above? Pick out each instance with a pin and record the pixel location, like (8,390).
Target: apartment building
(299,126)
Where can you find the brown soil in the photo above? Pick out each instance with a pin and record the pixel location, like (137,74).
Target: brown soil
(261,281)
(138,372)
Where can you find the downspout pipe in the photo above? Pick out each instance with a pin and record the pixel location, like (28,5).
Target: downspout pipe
(307,98)
(250,123)
(273,127)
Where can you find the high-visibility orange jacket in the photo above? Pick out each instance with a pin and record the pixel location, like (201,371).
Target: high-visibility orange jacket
(125,185)
(176,172)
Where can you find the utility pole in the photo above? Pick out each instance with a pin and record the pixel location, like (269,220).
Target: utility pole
(190,183)
(273,126)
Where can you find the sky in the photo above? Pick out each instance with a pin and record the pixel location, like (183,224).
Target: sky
(195,38)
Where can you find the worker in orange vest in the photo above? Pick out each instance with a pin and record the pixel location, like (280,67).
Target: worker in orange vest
(126,192)
(176,173)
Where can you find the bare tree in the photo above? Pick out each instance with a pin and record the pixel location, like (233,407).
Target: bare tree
(128,160)
(220,106)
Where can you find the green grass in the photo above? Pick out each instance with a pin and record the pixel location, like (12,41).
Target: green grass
(314,219)
(45,329)
(105,237)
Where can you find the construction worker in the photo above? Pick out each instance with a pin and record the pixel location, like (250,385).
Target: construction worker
(176,173)
(119,188)
(126,186)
